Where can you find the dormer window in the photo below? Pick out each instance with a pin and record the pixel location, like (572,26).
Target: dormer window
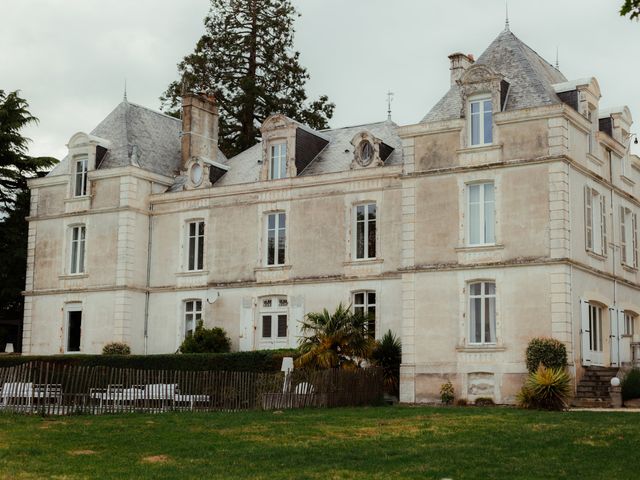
(278,161)
(80,176)
(481,121)
(366,153)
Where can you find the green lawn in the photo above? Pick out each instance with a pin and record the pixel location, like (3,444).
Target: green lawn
(365,443)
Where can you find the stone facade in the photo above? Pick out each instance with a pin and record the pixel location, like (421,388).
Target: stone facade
(172,231)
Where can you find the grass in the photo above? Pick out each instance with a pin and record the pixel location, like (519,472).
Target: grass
(365,443)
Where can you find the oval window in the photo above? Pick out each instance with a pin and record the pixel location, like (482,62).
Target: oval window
(196,174)
(366,153)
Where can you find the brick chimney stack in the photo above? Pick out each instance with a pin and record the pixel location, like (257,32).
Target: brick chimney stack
(459,63)
(199,127)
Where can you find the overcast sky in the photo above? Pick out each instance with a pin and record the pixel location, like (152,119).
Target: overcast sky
(70,57)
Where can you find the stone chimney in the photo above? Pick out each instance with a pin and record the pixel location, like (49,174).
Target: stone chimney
(459,63)
(199,127)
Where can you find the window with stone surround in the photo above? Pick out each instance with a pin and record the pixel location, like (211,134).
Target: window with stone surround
(595,213)
(192,315)
(629,319)
(364,303)
(276,238)
(365,231)
(628,237)
(482,313)
(77,249)
(481,120)
(195,245)
(481,214)
(73,337)
(278,161)
(80,176)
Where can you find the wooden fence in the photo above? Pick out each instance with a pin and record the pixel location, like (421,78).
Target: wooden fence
(46,388)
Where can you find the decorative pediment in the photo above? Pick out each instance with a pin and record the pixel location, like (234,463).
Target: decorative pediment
(479,74)
(481,80)
(275,122)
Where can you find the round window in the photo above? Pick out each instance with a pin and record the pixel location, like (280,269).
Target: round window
(196,174)
(366,153)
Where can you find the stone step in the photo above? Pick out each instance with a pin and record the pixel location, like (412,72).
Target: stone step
(590,402)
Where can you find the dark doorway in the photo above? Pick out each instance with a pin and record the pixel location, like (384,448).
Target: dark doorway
(74,331)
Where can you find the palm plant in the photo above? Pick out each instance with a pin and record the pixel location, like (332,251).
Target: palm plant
(335,340)
(388,355)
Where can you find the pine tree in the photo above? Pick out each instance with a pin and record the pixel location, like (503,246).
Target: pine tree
(246,59)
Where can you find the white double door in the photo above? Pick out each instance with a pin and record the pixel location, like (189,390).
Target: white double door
(595,334)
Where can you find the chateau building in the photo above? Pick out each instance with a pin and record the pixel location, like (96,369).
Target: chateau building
(508,212)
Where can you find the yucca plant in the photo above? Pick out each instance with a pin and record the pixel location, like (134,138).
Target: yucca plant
(388,355)
(334,340)
(546,388)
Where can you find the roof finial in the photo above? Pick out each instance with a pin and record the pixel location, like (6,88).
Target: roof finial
(389,99)
(506,17)
(557,61)
(125,90)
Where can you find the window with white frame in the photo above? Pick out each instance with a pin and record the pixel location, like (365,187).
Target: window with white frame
(192,316)
(274,321)
(278,161)
(595,210)
(481,214)
(364,303)
(365,231)
(628,237)
(629,318)
(276,238)
(481,121)
(482,313)
(80,176)
(73,340)
(195,245)
(77,249)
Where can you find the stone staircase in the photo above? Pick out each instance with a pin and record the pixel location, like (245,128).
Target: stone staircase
(593,389)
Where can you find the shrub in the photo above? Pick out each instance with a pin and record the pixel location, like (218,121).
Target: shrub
(206,340)
(631,384)
(546,388)
(461,402)
(484,402)
(257,361)
(116,348)
(447,393)
(549,352)
(388,355)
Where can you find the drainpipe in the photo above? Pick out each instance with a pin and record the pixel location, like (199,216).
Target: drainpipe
(148,282)
(613,259)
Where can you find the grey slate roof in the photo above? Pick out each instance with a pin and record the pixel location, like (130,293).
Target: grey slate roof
(139,136)
(336,156)
(529,75)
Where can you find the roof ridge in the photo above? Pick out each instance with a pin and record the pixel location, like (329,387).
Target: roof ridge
(152,111)
(356,126)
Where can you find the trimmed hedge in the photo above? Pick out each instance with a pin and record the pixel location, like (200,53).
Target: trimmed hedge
(631,384)
(549,352)
(258,361)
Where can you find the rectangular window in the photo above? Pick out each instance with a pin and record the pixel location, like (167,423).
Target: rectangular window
(481,214)
(366,217)
(80,188)
(628,237)
(628,323)
(482,312)
(481,113)
(74,330)
(78,234)
(276,238)
(282,326)
(278,161)
(595,211)
(195,245)
(266,326)
(192,316)
(364,303)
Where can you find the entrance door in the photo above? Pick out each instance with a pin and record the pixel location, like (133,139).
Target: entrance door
(595,335)
(273,324)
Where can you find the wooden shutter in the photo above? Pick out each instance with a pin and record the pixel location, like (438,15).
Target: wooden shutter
(297,317)
(246,325)
(623,236)
(585,332)
(634,232)
(603,223)
(588,218)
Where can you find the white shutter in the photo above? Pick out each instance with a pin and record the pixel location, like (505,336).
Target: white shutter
(584,332)
(588,218)
(615,336)
(634,234)
(623,237)
(297,316)
(246,325)
(603,223)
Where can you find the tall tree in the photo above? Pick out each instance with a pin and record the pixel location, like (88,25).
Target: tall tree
(16,167)
(631,8)
(246,58)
